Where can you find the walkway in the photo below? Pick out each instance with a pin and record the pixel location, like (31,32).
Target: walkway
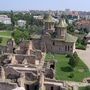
(85,55)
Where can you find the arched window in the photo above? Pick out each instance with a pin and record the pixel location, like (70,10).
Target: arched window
(53,43)
(52,88)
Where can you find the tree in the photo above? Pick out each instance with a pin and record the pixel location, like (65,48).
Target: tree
(70,28)
(2,26)
(19,35)
(0,39)
(12,18)
(74,60)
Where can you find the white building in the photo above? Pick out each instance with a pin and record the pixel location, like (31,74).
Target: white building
(21,23)
(5,19)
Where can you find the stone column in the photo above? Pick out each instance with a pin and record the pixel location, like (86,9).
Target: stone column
(22,79)
(2,73)
(41,87)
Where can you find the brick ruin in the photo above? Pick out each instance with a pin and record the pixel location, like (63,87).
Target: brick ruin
(24,66)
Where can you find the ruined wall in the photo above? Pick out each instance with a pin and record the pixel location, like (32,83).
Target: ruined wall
(7,86)
(36,43)
(53,87)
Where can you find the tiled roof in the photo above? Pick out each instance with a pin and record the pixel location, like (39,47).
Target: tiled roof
(83,22)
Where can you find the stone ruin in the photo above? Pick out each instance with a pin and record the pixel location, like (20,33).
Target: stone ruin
(24,66)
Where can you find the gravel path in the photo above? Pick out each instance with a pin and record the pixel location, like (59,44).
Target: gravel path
(85,55)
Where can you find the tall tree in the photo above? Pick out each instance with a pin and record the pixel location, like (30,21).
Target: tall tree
(12,18)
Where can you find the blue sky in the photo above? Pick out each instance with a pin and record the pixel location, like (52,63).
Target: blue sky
(45,4)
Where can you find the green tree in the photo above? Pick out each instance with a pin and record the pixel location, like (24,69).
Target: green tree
(12,18)
(0,39)
(74,60)
(19,35)
(70,28)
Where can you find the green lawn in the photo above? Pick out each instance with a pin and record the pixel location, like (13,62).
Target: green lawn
(4,35)
(63,69)
(84,88)
(4,41)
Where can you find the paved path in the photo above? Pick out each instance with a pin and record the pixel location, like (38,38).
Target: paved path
(85,55)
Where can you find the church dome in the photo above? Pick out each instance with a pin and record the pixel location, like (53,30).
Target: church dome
(49,18)
(62,23)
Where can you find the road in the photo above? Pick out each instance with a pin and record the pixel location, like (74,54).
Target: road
(85,55)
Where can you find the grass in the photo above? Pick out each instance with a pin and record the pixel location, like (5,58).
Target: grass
(84,88)
(63,70)
(5,33)
(81,88)
(5,39)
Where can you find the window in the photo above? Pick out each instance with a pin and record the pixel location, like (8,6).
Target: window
(49,25)
(53,43)
(65,48)
(52,88)
(71,46)
(68,48)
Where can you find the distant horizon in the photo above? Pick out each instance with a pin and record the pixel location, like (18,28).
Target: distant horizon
(44,5)
(45,10)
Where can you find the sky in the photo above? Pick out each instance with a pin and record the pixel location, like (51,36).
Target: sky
(83,5)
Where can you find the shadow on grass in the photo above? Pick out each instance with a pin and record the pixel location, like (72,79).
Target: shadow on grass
(67,69)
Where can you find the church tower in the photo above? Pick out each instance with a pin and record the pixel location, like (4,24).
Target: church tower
(61,29)
(49,24)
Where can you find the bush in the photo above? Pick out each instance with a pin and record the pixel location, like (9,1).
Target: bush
(81,44)
(71,75)
(68,55)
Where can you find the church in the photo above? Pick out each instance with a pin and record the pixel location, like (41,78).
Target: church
(55,38)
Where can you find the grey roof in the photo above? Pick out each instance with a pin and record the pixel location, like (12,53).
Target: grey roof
(68,38)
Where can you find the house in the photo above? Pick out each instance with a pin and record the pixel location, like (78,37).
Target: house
(84,24)
(5,19)
(21,23)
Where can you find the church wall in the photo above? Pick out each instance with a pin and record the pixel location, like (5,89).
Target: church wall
(62,47)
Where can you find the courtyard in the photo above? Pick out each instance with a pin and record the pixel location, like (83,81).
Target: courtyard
(63,70)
